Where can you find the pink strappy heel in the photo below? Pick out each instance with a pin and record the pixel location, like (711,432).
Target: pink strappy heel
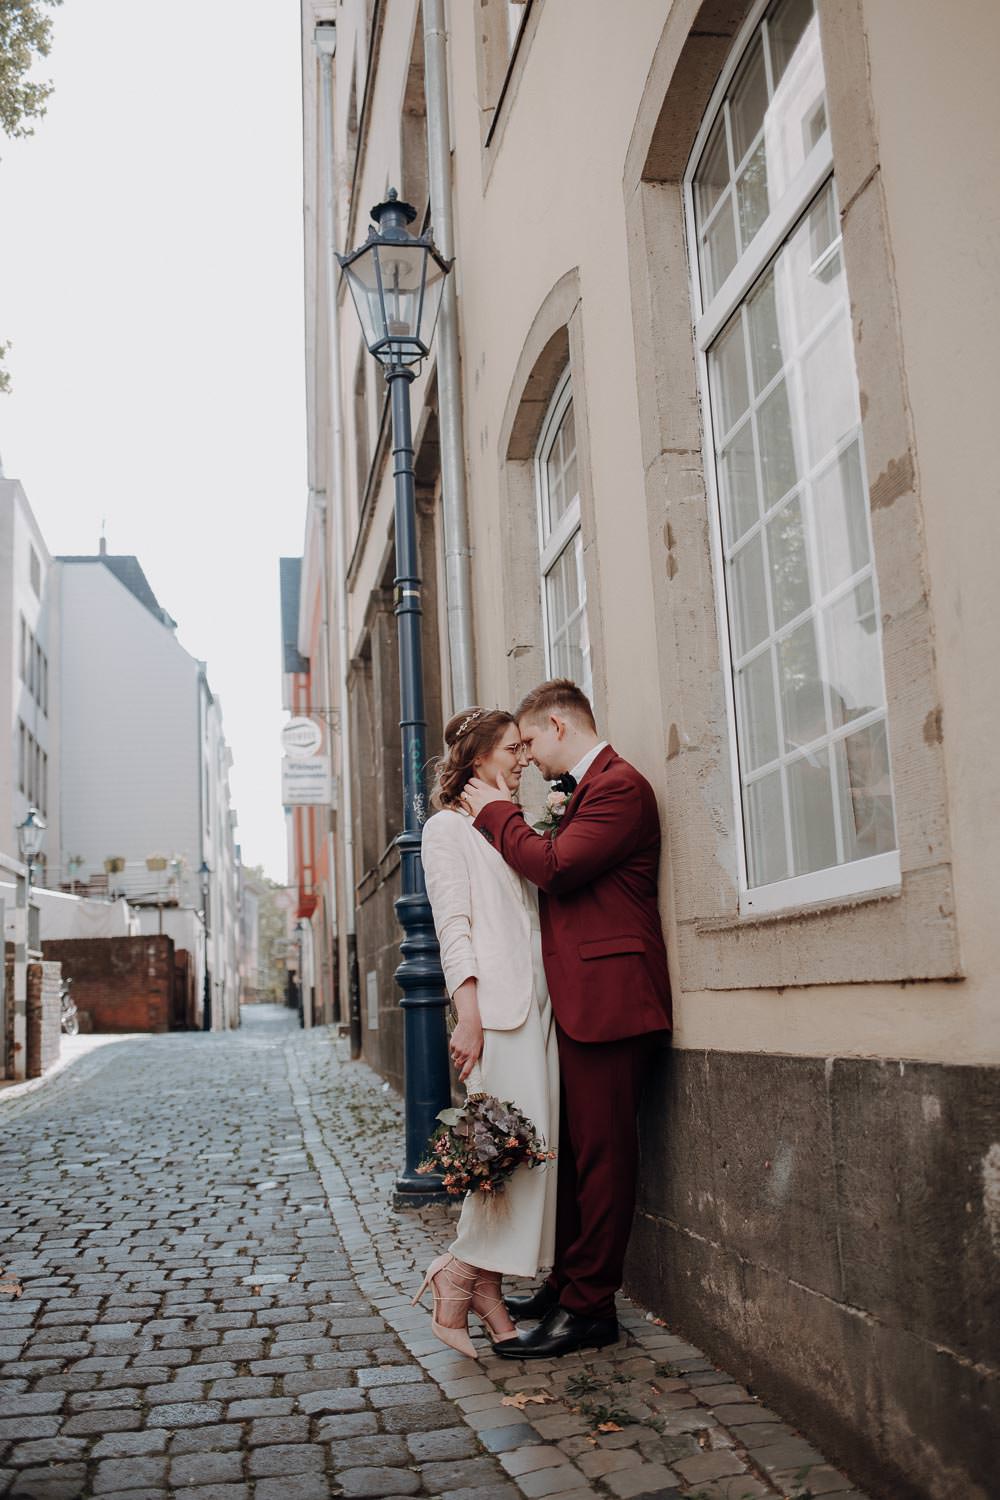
(456,1338)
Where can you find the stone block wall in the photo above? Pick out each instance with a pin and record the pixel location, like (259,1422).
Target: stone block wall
(44,1017)
(828,1229)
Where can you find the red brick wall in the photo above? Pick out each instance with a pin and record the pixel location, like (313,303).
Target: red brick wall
(124,984)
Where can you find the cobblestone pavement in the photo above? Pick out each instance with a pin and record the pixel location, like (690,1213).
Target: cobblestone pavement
(216,1307)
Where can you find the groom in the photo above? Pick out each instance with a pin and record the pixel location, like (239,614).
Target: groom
(606,968)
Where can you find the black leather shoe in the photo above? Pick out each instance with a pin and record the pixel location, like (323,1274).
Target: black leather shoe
(560,1332)
(540,1302)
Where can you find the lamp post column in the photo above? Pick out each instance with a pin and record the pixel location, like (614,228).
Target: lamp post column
(419,976)
(206,1001)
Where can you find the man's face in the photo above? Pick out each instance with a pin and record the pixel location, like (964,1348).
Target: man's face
(545,743)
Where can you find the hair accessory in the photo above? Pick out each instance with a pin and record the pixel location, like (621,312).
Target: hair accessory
(476,714)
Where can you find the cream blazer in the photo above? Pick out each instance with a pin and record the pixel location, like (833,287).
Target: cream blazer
(482,918)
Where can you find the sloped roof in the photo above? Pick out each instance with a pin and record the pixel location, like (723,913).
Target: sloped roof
(128,571)
(291,583)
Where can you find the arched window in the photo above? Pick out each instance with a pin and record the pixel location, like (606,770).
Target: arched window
(795,573)
(564,588)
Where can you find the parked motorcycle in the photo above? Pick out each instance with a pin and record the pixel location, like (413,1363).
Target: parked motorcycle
(70,1018)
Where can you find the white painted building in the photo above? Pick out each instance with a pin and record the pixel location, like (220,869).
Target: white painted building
(29,728)
(145,764)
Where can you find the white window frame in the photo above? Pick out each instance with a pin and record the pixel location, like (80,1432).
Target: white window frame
(881,872)
(552,542)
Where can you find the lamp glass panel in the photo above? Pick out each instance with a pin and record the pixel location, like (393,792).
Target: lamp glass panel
(397,291)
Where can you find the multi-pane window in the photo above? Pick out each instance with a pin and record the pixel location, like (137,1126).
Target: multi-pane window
(797,575)
(564,589)
(34,667)
(32,769)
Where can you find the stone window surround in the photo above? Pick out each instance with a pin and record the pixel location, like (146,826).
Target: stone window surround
(499,69)
(904,935)
(554,341)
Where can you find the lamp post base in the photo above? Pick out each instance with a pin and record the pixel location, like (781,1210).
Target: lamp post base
(419,1192)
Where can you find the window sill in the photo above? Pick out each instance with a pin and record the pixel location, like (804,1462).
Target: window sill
(881,936)
(705,925)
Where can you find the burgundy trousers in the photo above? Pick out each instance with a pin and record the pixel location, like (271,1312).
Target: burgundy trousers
(602,1084)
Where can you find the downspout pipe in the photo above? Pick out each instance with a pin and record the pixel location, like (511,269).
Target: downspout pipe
(326,45)
(328,690)
(454,498)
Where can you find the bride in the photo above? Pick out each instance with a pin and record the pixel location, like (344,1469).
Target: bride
(504,1041)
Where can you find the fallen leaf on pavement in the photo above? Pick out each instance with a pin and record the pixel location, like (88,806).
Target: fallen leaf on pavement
(608,1427)
(520,1399)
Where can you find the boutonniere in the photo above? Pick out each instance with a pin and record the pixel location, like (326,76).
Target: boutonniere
(555,806)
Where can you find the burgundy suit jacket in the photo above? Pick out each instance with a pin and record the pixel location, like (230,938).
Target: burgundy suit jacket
(602,941)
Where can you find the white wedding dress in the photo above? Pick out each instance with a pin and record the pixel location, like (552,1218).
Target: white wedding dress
(515,1233)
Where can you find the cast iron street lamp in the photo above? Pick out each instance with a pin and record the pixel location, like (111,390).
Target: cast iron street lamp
(30,835)
(396,280)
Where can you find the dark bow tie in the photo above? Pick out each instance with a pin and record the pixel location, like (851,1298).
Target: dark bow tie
(565,783)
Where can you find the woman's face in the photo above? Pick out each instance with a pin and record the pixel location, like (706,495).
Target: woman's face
(507,759)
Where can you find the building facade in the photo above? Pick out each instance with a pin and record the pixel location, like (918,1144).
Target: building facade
(305,691)
(145,766)
(29,755)
(722,412)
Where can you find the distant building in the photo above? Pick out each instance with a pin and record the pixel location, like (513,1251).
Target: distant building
(29,762)
(310,829)
(145,769)
(252,980)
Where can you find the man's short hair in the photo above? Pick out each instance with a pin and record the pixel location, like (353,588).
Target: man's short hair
(559,696)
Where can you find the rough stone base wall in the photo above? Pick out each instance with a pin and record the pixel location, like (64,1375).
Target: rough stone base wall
(44,1017)
(829,1230)
(185,997)
(43,1011)
(124,984)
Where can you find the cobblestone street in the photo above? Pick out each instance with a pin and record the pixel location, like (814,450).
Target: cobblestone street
(216,1307)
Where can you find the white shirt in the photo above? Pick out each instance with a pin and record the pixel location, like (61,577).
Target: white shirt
(582,766)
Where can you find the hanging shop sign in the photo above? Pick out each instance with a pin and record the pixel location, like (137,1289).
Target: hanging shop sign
(301,738)
(306,782)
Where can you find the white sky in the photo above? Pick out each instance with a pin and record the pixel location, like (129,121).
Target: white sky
(151,286)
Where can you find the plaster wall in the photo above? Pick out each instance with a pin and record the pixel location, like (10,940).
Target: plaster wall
(533,222)
(19,535)
(523,222)
(130,770)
